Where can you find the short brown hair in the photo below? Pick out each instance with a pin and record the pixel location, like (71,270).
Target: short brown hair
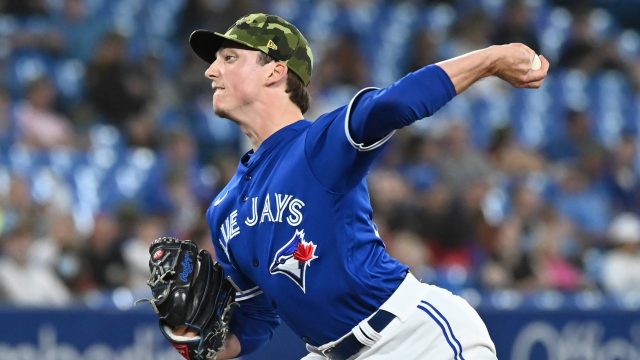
(298,93)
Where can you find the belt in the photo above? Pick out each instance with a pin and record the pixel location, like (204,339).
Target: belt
(350,345)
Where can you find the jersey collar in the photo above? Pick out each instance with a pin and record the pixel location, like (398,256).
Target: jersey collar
(277,138)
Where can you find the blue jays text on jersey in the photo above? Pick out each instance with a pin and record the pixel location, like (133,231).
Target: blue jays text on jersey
(293,227)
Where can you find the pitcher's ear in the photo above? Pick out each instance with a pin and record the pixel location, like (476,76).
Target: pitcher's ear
(278,73)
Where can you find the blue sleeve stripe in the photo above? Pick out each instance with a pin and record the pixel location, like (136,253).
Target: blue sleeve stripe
(347,118)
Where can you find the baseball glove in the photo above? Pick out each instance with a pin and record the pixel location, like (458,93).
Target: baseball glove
(189,290)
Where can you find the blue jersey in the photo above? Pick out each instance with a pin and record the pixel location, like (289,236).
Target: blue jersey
(294,230)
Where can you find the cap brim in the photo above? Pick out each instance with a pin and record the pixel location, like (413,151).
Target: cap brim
(206,43)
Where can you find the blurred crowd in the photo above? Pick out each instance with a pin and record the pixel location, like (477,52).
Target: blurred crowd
(108,140)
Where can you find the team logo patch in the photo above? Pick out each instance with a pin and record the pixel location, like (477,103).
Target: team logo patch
(294,258)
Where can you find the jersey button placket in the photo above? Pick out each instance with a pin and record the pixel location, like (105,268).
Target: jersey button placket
(255,262)
(245,198)
(248,177)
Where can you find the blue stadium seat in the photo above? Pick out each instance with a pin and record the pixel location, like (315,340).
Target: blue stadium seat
(26,65)
(68,78)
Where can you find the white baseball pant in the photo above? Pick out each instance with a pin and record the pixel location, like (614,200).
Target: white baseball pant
(431,323)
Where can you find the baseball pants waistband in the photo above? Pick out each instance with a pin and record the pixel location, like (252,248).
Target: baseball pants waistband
(367,332)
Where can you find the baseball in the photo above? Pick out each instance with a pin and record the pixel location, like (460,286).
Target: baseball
(535,62)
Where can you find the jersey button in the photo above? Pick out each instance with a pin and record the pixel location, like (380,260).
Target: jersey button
(274,304)
(245,198)
(248,177)
(305,339)
(255,262)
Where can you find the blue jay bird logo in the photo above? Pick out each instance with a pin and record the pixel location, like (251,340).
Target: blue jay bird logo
(294,258)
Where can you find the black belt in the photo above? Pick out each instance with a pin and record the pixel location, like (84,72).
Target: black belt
(350,345)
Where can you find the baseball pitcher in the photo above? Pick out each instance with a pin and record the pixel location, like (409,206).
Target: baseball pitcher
(293,229)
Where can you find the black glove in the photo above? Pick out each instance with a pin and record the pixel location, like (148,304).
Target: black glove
(189,290)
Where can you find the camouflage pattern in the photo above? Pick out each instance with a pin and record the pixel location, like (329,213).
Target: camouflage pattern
(275,37)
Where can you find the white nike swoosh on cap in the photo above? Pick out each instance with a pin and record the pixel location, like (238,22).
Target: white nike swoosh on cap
(219,200)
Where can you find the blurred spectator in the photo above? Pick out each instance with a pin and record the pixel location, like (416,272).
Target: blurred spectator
(516,25)
(141,131)
(186,212)
(116,88)
(18,205)
(532,245)
(23,282)
(36,35)
(40,126)
(59,252)
(585,50)
(23,7)
(512,159)
(343,65)
(104,255)
(621,176)
(621,267)
(579,139)
(390,190)
(585,204)
(439,209)
(79,29)
(418,160)
(8,127)
(190,83)
(184,187)
(341,72)
(411,250)
(461,165)
(553,268)
(136,249)
(424,50)
(164,94)
(471,31)
(510,265)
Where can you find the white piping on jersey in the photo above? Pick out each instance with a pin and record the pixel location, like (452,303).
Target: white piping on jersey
(362,146)
(248,294)
(224,247)
(219,200)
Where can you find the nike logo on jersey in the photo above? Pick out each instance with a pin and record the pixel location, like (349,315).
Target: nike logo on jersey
(294,258)
(219,200)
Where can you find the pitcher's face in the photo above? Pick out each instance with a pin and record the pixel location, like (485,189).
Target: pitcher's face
(236,79)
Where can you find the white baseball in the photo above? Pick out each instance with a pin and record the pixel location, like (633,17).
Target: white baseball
(536,64)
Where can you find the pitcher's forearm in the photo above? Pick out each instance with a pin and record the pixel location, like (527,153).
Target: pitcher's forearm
(512,63)
(465,70)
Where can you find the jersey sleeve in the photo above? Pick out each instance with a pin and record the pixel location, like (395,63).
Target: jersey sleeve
(341,145)
(333,160)
(254,321)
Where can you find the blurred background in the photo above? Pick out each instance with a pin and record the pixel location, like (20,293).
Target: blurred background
(524,202)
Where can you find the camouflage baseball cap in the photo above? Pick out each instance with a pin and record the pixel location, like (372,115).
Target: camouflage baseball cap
(270,34)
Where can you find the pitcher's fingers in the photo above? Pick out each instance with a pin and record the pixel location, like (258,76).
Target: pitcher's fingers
(540,74)
(534,84)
